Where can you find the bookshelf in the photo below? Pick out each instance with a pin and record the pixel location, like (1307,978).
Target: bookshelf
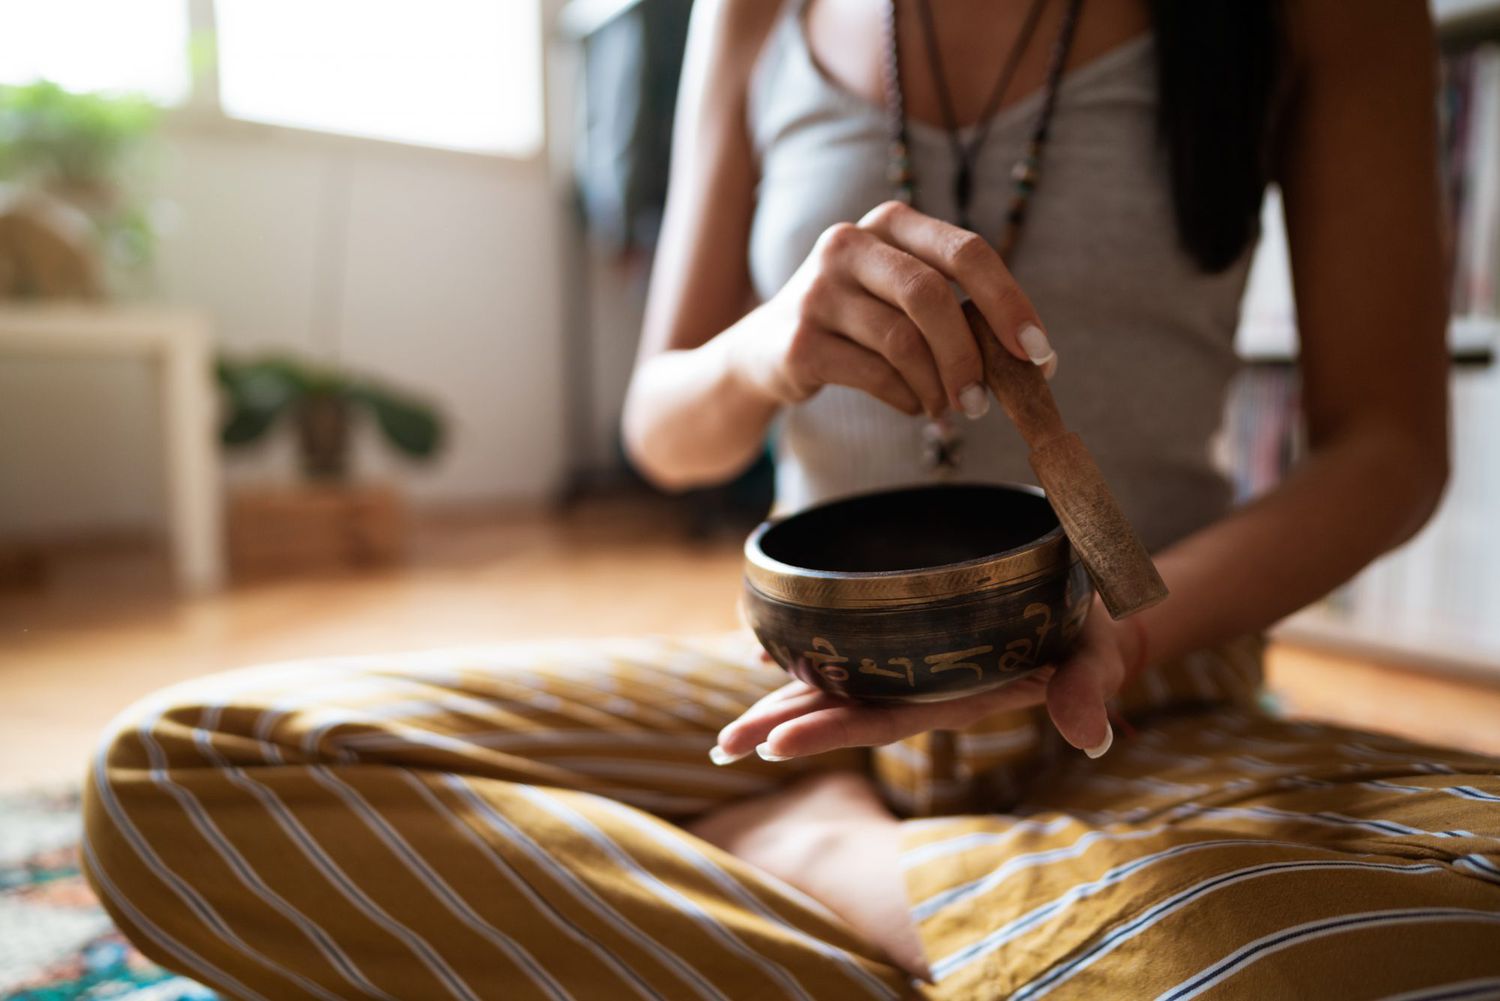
(1433,604)
(1460,20)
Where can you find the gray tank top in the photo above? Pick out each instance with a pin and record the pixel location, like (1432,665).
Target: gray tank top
(1145,338)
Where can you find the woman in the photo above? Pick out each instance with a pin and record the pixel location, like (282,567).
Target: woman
(484,827)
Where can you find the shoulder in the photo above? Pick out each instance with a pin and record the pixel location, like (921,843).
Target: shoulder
(733,32)
(725,40)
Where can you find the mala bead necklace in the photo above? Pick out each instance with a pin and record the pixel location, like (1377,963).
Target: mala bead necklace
(942,442)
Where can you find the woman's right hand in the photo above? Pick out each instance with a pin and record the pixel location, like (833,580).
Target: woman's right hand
(872,308)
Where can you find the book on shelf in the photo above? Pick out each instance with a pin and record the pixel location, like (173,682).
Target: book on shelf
(1470,115)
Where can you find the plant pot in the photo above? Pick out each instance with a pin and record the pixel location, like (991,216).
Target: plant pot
(323,436)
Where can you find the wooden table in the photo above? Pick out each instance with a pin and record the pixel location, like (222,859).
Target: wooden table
(176,344)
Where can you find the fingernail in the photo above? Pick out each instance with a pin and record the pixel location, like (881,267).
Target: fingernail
(1036,345)
(719,756)
(764,750)
(1097,751)
(975,400)
(1050,369)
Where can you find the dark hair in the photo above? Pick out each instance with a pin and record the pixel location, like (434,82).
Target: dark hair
(1219,68)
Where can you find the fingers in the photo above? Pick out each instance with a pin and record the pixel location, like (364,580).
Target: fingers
(791,700)
(1079,691)
(834,359)
(891,340)
(918,292)
(838,726)
(1076,703)
(966,258)
(786,691)
(798,720)
(886,286)
(843,724)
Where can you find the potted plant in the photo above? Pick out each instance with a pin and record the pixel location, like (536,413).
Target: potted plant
(87,152)
(322,404)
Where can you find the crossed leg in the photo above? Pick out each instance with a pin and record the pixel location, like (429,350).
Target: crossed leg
(482,826)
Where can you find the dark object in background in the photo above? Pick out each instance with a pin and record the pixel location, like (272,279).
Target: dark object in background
(324,403)
(734,508)
(917,595)
(631,66)
(1221,72)
(22,567)
(708,513)
(632,61)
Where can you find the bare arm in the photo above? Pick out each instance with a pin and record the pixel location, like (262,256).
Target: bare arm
(700,281)
(871,307)
(1361,195)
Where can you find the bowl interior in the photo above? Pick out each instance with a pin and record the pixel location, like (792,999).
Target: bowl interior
(910,529)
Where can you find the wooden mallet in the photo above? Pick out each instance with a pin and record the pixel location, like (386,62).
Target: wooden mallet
(1121,568)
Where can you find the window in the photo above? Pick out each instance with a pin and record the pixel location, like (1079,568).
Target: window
(464,74)
(459,74)
(89,45)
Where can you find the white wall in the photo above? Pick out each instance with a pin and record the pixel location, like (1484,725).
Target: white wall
(438,271)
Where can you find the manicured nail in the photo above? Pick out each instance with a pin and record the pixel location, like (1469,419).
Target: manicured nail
(1050,369)
(1036,345)
(764,750)
(719,756)
(1097,751)
(975,400)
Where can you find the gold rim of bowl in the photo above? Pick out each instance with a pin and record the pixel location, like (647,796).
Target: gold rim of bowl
(1012,568)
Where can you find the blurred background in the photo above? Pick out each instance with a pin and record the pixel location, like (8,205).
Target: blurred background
(316,317)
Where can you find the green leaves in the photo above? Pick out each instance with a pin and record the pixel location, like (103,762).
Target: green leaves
(258,393)
(261,392)
(93,151)
(408,425)
(57,135)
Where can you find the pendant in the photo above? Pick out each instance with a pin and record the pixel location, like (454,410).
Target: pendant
(942,447)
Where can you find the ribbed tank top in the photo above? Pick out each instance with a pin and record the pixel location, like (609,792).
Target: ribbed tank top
(1145,338)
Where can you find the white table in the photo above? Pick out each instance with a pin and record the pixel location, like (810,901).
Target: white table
(176,344)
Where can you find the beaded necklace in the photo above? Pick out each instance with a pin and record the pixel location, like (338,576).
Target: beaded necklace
(942,442)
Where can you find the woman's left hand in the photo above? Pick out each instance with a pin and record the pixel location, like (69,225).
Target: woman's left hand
(797,720)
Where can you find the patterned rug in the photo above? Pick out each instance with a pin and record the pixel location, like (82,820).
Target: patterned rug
(56,942)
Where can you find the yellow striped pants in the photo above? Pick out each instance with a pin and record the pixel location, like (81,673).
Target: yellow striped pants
(499,824)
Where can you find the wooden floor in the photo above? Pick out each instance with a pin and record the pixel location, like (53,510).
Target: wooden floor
(105,629)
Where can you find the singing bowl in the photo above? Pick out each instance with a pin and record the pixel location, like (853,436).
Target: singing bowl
(916,595)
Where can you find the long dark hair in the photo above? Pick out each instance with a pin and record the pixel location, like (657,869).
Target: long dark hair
(1220,68)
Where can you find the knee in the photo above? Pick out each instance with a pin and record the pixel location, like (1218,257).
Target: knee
(125,800)
(117,774)
(139,850)
(121,762)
